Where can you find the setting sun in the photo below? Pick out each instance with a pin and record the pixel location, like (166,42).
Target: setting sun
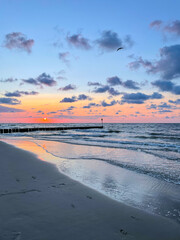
(45,119)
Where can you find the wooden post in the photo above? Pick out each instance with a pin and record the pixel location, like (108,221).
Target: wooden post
(102,121)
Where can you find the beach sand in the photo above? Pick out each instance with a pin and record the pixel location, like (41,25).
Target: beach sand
(37,202)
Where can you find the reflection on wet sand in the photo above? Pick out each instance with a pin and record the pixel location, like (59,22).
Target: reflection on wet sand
(132,188)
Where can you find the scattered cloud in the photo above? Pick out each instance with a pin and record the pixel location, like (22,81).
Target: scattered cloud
(78,41)
(40,112)
(20,93)
(128,41)
(113,81)
(90,105)
(171,28)
(139,98)
(119,111)
(94,84)
(8,80)
(7,109)
(10,101)
(46,79)
(18,40)
(68,100)
(130,84)
(101,89)
(75,99)
(112,103)
(31,81)
(43,79)
(110,41)
(68,87)
(175,102)
(113,92)
(167,86)
(64,57)
(156,24)
(84,97)
(168,65)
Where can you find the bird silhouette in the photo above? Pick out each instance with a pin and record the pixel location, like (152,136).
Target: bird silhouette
(119,48)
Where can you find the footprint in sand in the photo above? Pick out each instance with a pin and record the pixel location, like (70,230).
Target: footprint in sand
(89,197)
(123,232)
(62,184)
(135,218)
(16,235)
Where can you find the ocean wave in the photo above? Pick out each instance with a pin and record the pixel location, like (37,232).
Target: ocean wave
(153,171)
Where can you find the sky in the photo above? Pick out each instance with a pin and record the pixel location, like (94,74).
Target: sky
(59,61)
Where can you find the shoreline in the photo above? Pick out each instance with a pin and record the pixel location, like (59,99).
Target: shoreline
(38,202)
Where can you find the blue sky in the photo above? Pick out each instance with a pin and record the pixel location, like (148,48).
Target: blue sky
(74,42)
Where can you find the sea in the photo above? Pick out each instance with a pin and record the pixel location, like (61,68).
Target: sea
(136,164)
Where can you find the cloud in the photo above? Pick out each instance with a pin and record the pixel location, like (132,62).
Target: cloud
(118,112)
(171,28)
(175,102)
(139,98)
(63,56)
(41,112)
(164,111)
(168,65)
(113,92)
(83,97)
(163,106)
(71,108)
(156,95)
(18,40)
(128,41)
(77,40)
(90,105)
(156,24)
(7,109)
(113,81)
(140,62)
(167,86)
(10,101)
(46,80)
(130,84)
(43,79)
(52,113)
(110,41)
(112,103)
(75,99)
(8,80)
(20,93)
(68,100)
(68,87)
(31,81)
(94,84)
(101,89)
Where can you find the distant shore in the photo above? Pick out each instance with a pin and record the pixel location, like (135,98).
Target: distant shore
(39,203)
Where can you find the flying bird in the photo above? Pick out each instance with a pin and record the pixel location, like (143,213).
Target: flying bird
(119,48)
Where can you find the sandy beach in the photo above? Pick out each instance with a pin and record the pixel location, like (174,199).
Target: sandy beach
(37,202)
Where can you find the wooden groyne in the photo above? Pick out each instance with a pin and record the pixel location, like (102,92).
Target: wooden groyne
(15,130)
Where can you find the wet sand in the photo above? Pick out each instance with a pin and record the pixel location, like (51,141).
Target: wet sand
(38,202)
